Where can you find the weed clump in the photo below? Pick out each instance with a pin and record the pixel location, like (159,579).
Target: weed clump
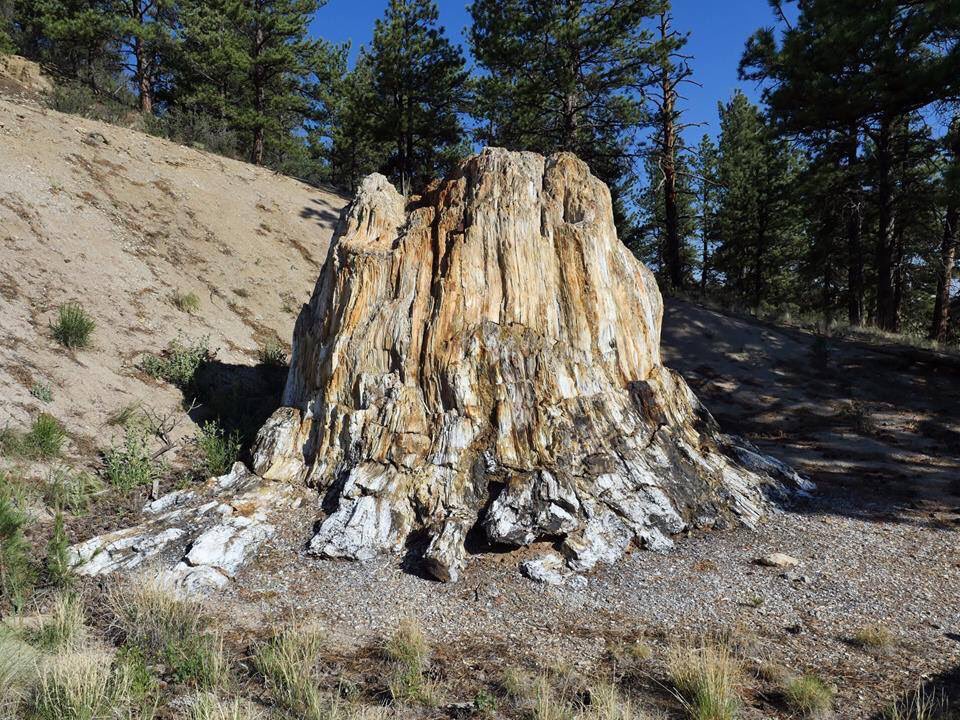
(185,302)
(218,450)
(73,327)
(179,363)
(808,696)
(409,652)
(707,681)
(273,354)
(42,392)
(131,464)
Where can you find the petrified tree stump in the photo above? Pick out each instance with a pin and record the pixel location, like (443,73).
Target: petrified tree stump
(487,359)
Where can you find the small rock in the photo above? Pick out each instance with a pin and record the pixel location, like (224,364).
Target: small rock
(546,569)
(795,577)
(778,560)
(95,138)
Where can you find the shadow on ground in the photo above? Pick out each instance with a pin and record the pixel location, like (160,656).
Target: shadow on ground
(877,428)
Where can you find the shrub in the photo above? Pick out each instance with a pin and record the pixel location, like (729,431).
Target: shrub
(288,663)
(179,363)
(16,572)
(808,696)
(218,450)
(196,129)
(185,302)
(66,489)
(131,464)
(873,637)
(79,99)
(706,680)
(57,563)
(273,354)
(74,326)
(63,627)
(409,651)
(42,392)
(169,630)
(45,438)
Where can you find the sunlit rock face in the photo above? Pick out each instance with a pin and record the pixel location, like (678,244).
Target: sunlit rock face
(485,360)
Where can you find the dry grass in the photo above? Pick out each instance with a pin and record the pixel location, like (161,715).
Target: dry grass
(17,672)
(873,637)
(409,652)
(171,630)
(921,704)
(63,626)
(707,681)
(207,706)
(288,664)
(76,686)
(185,302)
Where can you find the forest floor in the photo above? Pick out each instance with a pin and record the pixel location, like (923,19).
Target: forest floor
(125,223)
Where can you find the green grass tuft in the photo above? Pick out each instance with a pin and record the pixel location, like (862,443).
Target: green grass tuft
(409,651)
(808,696)
(185,302)
(217,450)
(63,626)
(179,363)
(70,490)
(273,354)
(16,571)
(288,664)
(707,681)
(74,326)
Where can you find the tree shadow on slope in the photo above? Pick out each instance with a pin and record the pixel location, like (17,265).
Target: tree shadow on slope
(875,428)
(239,398)
(937,698)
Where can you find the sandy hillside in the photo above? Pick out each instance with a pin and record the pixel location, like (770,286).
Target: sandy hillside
(120,221)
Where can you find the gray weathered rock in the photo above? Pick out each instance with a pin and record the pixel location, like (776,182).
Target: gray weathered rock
(488,358)
(196,539)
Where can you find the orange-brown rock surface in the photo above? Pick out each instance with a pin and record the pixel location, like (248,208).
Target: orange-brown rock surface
(486,360)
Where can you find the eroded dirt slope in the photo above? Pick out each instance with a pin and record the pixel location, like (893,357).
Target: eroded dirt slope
(120,221)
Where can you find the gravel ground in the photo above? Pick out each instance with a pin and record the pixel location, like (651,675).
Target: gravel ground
(875,548)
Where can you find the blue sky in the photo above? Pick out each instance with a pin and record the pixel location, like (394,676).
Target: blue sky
(717,30)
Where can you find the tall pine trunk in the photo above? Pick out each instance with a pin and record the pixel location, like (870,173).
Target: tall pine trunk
(951,239)
(886,246)
(948,257)
(668,160)
(854,230)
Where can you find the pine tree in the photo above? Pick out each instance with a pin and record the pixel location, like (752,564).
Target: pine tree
(57,563)
(854,67)
(252,63)
(758,220)
(76,38)
(940,325)
(670,72)
(418,83)
(354,150)
(566,76)
(145,31)
(705,188)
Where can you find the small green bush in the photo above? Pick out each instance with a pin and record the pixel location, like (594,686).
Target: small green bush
(808,696)
(272,354)
(179,363)
(74,326)
(45,438)
(16,571)
(42,392)
(185,302)
(70,490)
(57,563)
(131,464)
(217,449)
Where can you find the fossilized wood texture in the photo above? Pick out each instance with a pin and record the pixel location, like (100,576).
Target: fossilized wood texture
(193,540)
(487,359)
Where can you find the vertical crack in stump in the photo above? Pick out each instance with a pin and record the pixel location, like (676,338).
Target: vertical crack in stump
(497,331)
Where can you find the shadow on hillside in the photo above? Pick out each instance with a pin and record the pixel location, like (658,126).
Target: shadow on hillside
(322,214)
(239,398)
(941,691)
(875,428)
